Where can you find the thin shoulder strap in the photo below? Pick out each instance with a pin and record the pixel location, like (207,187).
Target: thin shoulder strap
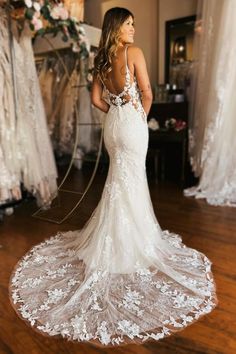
(127,80)
(126,59)
(104,86)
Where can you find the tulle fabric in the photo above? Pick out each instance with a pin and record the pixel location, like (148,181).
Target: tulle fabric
(26,155)
(120,279)
(39,173)
(9,153)
(212,109)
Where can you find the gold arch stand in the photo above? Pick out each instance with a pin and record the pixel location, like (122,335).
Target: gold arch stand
(41,213)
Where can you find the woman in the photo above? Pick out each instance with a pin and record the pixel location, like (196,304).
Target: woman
(121,278)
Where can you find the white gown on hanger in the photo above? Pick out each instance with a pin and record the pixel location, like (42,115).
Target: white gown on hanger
(212,123)
(39,173)
(121,278)
(26,155)
(10,156)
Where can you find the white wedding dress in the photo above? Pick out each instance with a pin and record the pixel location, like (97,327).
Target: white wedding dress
(212,123)
(26,156)
(121,278)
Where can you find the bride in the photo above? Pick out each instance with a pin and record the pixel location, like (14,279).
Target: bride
(121,278)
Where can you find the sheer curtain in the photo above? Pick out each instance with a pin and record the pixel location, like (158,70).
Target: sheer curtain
(212,126)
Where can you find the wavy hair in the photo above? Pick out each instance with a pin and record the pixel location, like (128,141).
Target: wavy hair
(113,20)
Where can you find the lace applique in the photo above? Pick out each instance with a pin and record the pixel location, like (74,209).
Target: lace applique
(55,295)
(131,301)
(103,333)
(132,295)
(130,94)
(31,282)
(113,190)
(128,328)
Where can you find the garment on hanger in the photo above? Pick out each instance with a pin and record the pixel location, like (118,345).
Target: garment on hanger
(25,143)
(67,120)
(62,95)
(85,109)
(9,154)
(90,117)
(60,92)
(212,123)
(54,83)
(46,79)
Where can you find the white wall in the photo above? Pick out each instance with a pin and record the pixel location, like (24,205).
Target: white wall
(146,25)
(150,17)
(170,10)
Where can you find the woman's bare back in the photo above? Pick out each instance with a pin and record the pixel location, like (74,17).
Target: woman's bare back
(116,78)
(132,74)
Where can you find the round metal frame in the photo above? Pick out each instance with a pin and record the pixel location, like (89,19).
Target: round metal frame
(40,211)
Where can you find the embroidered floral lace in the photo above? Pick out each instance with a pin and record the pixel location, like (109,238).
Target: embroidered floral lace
(121,278)
(26,155)
(130,94)
(212,122)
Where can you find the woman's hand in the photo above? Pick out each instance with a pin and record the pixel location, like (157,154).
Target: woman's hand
(96,96)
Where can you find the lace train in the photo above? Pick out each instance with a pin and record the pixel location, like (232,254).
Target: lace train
(110,308)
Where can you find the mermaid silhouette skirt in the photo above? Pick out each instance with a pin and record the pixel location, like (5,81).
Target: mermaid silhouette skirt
(121,278)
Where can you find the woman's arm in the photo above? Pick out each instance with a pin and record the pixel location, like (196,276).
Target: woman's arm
(137,58)
(96,96)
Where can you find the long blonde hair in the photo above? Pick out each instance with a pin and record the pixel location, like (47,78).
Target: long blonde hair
(113,20)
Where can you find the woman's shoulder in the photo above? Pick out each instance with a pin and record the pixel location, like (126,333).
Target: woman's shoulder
(133,48)
(134,52)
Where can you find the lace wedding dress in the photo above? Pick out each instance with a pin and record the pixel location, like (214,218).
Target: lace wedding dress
(26,156)
(121,278)
(212,123)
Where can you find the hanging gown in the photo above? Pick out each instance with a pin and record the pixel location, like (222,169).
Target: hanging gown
(86,143)
(38,173)
(26,155)
(212,123)
(10,156)
(121,278)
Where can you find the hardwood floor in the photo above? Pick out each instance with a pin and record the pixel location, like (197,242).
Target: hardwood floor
(211,230)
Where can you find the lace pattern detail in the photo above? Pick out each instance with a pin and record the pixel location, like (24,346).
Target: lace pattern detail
(212,123)
(130,94)
(35,167)
(146,295)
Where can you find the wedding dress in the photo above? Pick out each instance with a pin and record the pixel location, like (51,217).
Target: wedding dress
(85,110)
(26,156)
(121,278)
(10,174)
(38,168)
(212,123)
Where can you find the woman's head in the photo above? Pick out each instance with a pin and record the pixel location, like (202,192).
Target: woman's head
(117,30)
(117,26)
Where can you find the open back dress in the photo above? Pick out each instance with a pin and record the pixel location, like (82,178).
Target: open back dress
(121,278)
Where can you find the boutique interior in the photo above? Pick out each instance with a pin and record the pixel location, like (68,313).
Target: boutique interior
(53,161)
